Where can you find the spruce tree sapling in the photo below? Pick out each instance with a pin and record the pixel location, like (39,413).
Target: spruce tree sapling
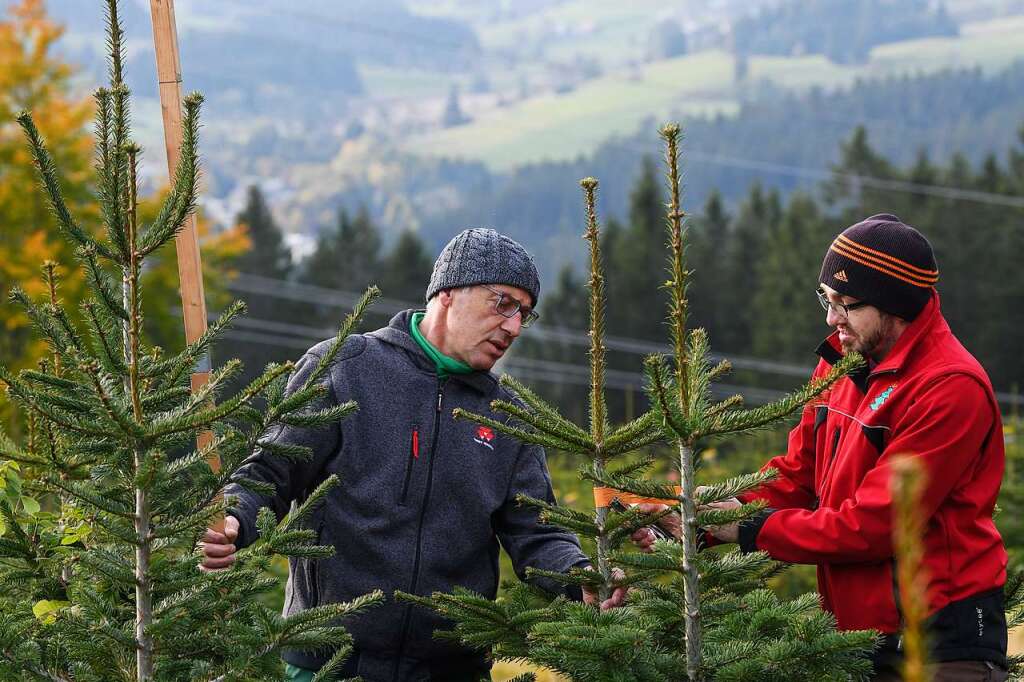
(679,391)
(690,616)
(106,586)
(527,623)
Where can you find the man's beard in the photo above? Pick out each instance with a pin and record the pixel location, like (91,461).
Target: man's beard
(875,343)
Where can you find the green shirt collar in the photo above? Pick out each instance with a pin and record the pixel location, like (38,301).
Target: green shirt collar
(445,365)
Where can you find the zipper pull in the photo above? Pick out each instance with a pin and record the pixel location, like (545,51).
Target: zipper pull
(439,394)
(415,443)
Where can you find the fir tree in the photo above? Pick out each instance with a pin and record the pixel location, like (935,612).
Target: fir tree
(405,269)
(788,273)
(1011,502)
(757,218)
(636,256)
(907,484)
(713,618)
(1010,512)
(347,257)
(269,255)
(1009,518)
(453,115)
(709,238)
(34,76)
(104,584)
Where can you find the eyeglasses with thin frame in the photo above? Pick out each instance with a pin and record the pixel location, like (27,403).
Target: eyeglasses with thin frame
(507,306)
(837,307)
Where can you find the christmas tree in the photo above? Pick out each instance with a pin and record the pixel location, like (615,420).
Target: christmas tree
(102,581)
(692,614)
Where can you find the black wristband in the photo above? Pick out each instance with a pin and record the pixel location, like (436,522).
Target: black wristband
(749,529)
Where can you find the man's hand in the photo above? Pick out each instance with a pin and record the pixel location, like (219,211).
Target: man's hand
(729,532)
(219,548)
(618,597)
(644,538)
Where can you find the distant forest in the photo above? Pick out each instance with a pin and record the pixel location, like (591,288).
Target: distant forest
(756,266)
(309,53)
(842,30)
(755,272)
(763,207)
(965,112)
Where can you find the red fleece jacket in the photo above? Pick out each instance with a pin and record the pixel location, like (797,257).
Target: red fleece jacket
(931,400)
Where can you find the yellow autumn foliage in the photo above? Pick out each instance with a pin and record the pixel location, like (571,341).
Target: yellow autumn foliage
(218,249)
(33,79)
(506,670)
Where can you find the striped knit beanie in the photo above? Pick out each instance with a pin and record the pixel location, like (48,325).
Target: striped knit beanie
(884,262)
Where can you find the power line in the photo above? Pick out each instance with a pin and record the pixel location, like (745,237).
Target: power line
(899,186)
(954,193)
(540,370)
(300,337)
(257,284)
(561,372)
(580,375)
(310,293)
(292,335)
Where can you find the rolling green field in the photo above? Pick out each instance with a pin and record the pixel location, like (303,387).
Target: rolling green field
(611,33)
(562,126)
(386,81)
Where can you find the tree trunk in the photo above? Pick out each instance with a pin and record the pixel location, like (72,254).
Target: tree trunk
(688,511)
(143,591)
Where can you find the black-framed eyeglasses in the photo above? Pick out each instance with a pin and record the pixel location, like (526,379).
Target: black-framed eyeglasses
(837,307)
(507,306)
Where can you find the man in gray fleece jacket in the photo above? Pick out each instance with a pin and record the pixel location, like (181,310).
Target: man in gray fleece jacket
(424,499)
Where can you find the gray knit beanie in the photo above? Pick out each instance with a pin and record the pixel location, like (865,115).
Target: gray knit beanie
(482,256)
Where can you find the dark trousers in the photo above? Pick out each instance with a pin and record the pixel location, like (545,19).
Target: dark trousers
(954,671)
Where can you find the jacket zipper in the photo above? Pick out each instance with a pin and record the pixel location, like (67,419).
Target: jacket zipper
(835,445)
(312,571)
(414,454)
(875,375)
(419,531)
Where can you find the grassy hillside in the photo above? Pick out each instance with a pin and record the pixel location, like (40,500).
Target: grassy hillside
(562,126)
(551,127)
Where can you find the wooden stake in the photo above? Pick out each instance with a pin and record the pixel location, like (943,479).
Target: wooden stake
(190,270)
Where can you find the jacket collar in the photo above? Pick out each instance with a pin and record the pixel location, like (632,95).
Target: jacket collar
(397,334)
(928,321)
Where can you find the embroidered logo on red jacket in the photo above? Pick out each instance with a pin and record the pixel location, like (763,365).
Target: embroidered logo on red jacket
(485,436)
(882,397)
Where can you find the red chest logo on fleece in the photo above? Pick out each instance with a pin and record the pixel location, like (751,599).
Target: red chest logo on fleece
(485,436)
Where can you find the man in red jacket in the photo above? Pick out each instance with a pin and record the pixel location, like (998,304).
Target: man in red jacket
(921,395)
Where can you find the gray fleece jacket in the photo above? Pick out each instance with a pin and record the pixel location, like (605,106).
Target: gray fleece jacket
(423,502)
